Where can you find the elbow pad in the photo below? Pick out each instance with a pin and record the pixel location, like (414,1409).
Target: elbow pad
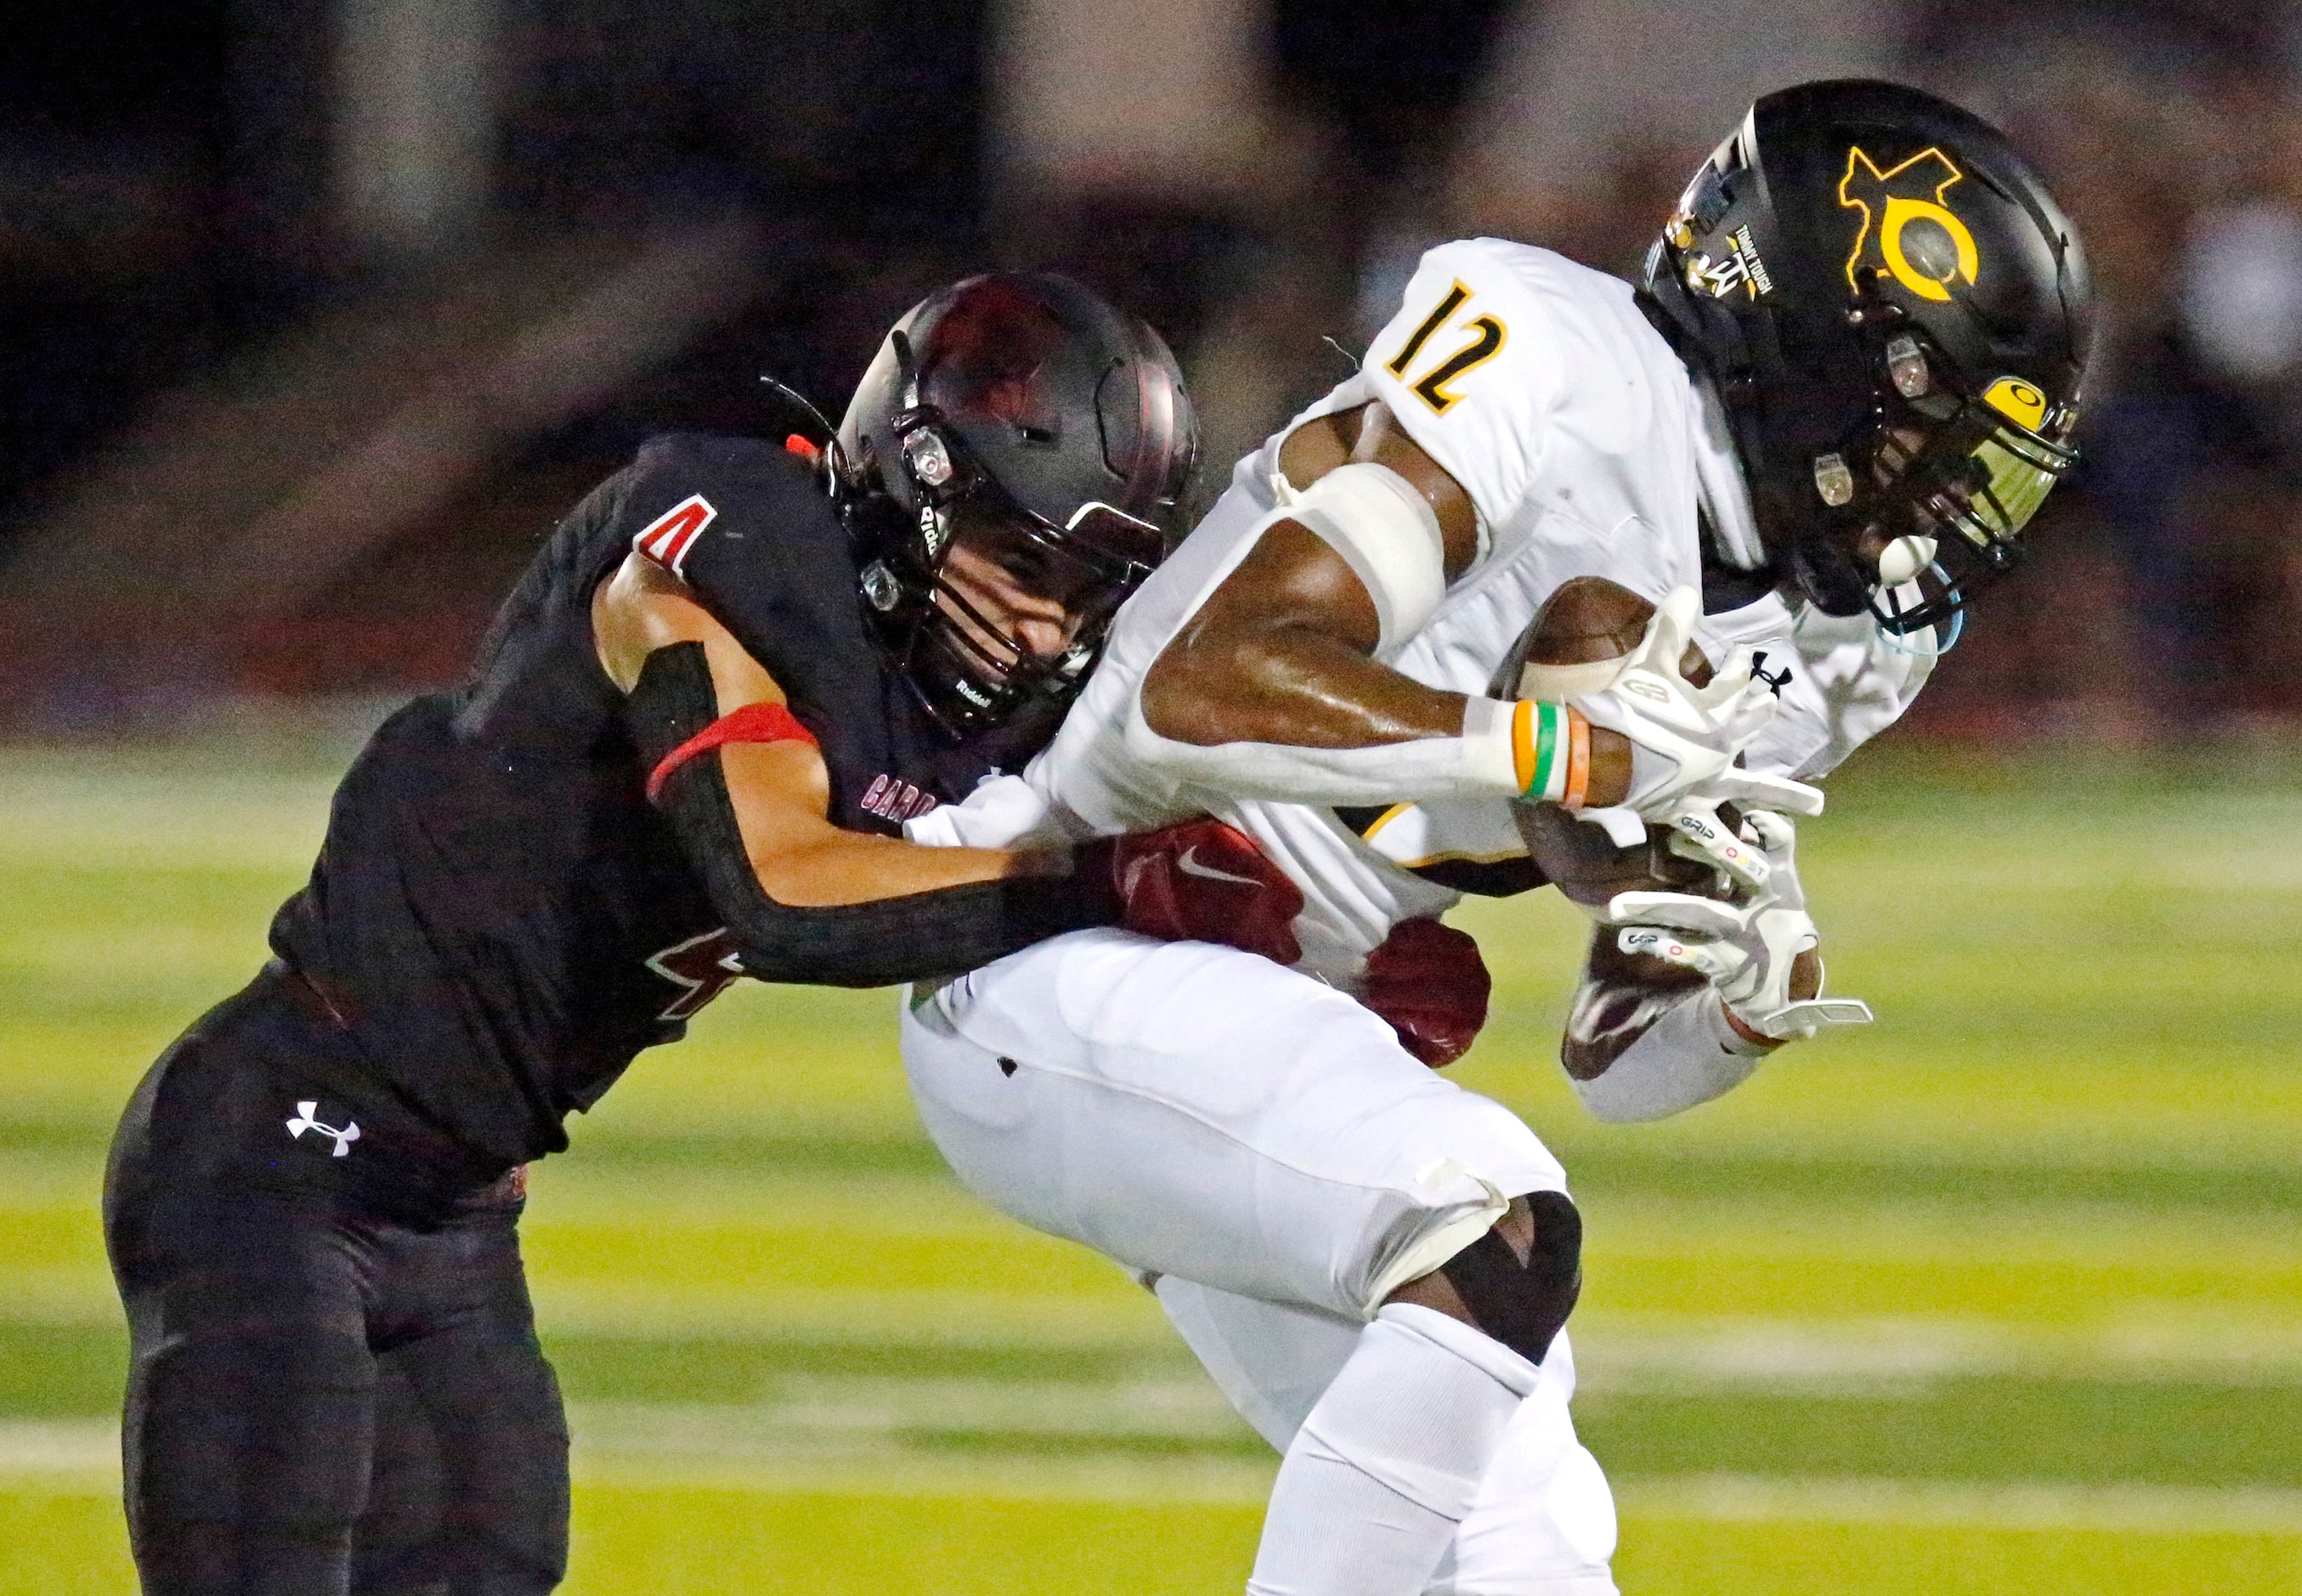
(1680,1054)
(914,937)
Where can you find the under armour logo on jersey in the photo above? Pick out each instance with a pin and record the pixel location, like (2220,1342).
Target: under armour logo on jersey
(666,539)
(1777,681)
(304,1121)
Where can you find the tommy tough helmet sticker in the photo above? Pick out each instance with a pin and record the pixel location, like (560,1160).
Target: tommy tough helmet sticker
(1740,268)
(1895,203)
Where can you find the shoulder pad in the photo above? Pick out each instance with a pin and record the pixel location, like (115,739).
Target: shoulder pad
(1497,346)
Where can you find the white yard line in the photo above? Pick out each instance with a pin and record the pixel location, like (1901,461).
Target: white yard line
(1633,1353)
(730,1448)
(2011,1505)
(1627,1353)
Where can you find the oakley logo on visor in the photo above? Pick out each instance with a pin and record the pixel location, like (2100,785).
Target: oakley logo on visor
(2020,402)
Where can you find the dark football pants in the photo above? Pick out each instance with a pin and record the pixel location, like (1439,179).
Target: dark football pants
(320,1404)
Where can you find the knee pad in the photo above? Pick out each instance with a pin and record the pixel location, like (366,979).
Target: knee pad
(1524,1305)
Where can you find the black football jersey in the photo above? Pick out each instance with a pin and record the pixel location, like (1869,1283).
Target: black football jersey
(498,918)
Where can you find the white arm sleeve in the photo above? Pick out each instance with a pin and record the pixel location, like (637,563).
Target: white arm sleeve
(1387,533)
(1479,763)
(1688,1055)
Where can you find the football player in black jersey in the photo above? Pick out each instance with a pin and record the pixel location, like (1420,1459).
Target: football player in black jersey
(684,755)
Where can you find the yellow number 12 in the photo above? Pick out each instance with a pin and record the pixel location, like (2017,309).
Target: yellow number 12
(1486,341)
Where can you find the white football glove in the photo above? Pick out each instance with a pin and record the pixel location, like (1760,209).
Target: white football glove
(1685,738)
(1700,833)
(1745,950)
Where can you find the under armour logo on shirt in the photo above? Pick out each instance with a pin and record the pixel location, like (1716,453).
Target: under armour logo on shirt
(304,1121)
(1777,681)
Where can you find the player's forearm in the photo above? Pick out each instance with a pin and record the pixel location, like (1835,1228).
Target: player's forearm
(1289,713)
(806,902)
(846,867)
(1292,683)
(912,929)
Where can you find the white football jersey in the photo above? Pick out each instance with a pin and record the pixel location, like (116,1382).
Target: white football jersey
(1542,389)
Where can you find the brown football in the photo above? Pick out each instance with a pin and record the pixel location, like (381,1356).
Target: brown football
(1580,631)
(1570,648)
(1588,619)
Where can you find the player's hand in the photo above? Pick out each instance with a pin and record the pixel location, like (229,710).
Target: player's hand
(1429,981)
(1204,881)
(1685,739)
(1750,951)
(1702,834)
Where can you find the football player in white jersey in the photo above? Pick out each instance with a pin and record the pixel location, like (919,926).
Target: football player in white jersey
(1849,378)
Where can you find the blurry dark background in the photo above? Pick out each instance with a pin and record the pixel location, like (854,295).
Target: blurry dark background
(314,314)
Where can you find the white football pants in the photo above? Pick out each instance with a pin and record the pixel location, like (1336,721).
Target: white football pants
(1263,1142)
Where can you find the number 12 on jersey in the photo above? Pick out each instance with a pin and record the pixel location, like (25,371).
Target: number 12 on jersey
(1484,343)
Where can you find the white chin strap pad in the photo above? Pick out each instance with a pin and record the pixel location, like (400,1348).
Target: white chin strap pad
(1387,533)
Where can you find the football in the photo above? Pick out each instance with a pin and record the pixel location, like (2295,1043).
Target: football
(1575,645)
(1580,634)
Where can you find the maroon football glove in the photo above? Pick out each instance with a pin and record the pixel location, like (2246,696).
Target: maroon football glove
(1429,981)
(1204,881)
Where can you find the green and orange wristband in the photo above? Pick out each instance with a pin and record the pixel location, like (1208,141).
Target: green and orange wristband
(1551,753)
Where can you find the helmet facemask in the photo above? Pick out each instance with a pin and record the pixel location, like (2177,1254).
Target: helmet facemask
(1942,486)
(972,669)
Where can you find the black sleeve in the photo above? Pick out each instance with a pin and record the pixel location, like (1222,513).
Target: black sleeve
(877,944)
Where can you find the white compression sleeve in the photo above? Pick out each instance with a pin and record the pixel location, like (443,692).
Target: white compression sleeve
(1543,1521)
(1387,533)
(1479,763)
(1690,1055)
(1389,1460)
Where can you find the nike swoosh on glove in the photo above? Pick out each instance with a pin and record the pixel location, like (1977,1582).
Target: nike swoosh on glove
(1204,881)
(1429,981)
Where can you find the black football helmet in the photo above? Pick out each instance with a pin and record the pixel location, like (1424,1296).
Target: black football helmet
(1895,315)
(1019,415)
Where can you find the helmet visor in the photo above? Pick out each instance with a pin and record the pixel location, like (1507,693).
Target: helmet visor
(1117,536)
(1988,468)
(1994,495)
(1972,475)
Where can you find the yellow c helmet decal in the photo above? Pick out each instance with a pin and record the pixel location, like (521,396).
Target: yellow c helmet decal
(2020,402)
(1911,191)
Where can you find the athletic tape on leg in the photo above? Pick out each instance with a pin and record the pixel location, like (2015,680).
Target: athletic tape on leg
(1523,1305)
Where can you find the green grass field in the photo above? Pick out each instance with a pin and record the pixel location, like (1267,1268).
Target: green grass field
(2002,1296)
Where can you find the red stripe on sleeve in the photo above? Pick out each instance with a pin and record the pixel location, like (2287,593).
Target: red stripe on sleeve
(753,723)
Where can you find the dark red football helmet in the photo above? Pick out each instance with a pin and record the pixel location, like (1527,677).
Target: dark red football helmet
(1019,415)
